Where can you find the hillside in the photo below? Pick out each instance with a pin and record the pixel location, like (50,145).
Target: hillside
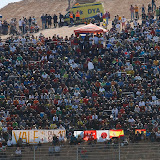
(37,7)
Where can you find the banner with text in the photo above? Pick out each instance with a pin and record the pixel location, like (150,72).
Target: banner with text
(36,136)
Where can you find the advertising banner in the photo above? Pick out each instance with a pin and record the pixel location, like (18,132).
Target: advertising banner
(36,136)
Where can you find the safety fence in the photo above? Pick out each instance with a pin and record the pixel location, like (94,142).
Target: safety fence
(138,151)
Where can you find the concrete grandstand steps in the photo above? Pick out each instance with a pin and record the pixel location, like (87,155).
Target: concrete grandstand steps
(140,152)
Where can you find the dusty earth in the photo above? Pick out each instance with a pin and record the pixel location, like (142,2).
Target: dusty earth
(28,8)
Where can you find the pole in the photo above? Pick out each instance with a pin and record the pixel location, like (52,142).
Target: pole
(119,151)
(77,152)
(34,153)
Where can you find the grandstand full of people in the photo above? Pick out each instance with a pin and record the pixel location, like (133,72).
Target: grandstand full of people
(95,82)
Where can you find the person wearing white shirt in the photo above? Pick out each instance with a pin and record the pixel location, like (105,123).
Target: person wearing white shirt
(149,36)
(20,25)
(44,75)
(101,89)
(123,22)
(61,139)
(90,66)
(131,120)
(118,27)
(154,98)
(94,117)
(115,112)
(156,39)
(91,40)
(9,142)
(137,109)
(96,40)
(55,118)
(18,152)
(74,65)
(141,103)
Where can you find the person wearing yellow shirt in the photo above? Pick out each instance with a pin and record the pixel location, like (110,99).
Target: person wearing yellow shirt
(136,12)
(156,62)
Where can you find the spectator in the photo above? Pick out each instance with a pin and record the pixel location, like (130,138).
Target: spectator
(136,12)
(18,153)
(132,12)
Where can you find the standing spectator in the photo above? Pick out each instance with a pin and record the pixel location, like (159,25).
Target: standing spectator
(71,18)
(0,27)
(107,16)
(49,21)
(61,20)
(118,27)
(23,25)
(20,25)
(153,5)
(157,13)
(43,21)
(143,8)
(46,21)
(77,16)
(55,20)
(132,12)
(136,12)
(30,21)
(123,22)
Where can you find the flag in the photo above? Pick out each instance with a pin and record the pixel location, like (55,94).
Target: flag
(102,135)
(77,133)
(140,131)
(90,135)
(116,133)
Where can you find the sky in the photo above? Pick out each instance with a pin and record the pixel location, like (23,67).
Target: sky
(5,2)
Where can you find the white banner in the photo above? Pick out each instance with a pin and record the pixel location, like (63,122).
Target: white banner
(102,135)
(36,136)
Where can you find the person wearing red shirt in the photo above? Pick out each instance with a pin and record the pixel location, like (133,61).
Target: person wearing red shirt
(9,128)
(118,126)
(94,95)
(85,100)
(65,90)
(122,110)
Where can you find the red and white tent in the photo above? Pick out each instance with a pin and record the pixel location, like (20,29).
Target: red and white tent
(90,28)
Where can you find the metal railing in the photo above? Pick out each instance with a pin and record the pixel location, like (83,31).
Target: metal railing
(138,151)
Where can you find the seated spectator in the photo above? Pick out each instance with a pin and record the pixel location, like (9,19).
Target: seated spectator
(19,142)
(157,136)
(18,153)
(73,140)
(55,140)
(61,140)
(9,142)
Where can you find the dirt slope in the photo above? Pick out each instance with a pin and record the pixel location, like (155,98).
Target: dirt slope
(37,7)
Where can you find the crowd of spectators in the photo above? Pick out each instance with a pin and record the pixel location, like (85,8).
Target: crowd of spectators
(83,83)
(48,20)
(19,27)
